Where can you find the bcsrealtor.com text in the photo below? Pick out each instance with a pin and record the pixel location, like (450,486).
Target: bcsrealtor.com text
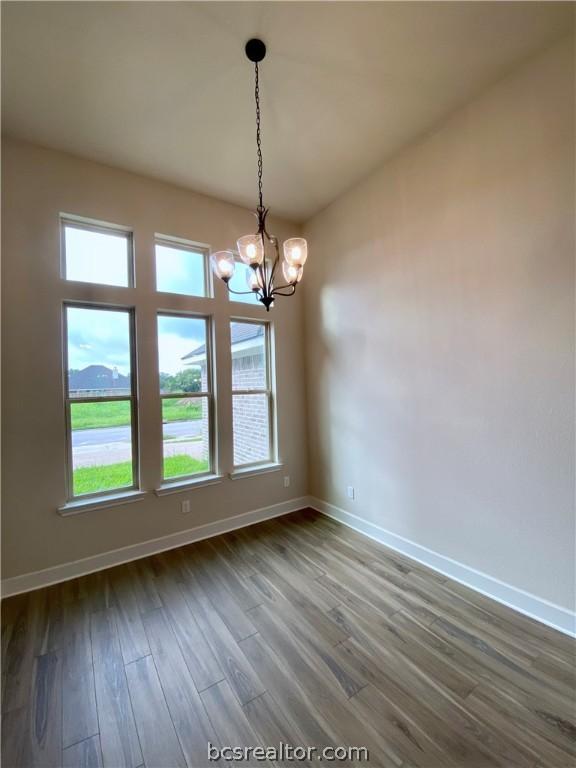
(287,752)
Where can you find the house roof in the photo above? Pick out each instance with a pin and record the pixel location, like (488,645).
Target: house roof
(239,332)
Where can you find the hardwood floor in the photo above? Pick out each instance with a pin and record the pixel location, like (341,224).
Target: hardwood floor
(295,630)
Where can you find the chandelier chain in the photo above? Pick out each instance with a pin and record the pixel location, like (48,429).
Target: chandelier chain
(258,140)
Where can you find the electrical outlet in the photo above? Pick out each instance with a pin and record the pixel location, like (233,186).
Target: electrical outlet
(350,491)
(186,507)
(287,481)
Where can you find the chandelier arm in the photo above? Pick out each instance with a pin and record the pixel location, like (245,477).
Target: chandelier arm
(238,293)
(277,291)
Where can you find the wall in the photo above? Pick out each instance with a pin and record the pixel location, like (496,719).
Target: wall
(39,184)
(440,337)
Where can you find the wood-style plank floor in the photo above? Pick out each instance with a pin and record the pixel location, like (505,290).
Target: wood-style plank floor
(295,630)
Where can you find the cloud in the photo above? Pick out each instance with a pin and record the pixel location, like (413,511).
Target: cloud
(102,337)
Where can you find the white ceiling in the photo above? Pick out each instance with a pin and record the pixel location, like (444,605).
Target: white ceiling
(163,88)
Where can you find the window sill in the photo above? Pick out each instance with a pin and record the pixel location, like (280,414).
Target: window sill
(261,469)
(188,484)
(78,506)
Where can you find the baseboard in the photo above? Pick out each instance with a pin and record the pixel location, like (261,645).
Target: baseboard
(530,605)
(30,581)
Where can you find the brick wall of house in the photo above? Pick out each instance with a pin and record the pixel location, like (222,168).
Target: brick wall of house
(250,412)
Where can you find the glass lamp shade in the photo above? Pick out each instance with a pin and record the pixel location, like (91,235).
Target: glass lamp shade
(296,251)
(254,280)
(223,264)
(292,273)
(251,249)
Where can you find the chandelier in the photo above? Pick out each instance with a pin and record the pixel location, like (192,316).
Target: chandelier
(262,277)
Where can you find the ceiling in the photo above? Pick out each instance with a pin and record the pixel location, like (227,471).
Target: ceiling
(164,89)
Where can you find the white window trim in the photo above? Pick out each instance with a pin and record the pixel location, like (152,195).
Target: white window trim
(105,228)
(269,391)
(80,505)
(132,398)
(211,472)
(179,243)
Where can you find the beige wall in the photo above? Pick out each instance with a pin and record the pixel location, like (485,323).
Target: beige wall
(440,326)
(38,184)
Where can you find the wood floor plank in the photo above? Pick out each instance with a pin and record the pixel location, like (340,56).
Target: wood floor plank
(191,722)
(79,714)
(118,736)
(15,743)
(230,722)
(232,661)
(267,720)
(131,632)
(463,737)
(408,739)
(329,701)
(552,736)
(20,649)
(84,754)
(45,732)
(199,657)
(372,632)
(158,739)
(144,586)
(49,631)
(288,601)
(282,685)
(201,565)
(240,587)
(298,630)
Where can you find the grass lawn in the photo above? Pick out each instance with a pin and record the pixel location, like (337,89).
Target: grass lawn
(111,476)
(117,413)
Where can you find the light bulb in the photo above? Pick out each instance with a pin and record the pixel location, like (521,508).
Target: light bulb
(223,264)
(296,251)
(254,280)
(251,249)
(292,273)
(225,268)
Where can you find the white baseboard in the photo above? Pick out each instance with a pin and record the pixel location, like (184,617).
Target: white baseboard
(29,581)
(530,605)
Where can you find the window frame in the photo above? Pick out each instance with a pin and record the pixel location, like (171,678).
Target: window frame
(132,397)
(177,243)
(209,395)
(103,228)
(269,391)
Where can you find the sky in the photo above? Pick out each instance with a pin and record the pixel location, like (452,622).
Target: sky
(101,337)
(95,257)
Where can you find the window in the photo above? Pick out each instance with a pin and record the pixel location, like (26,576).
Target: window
(181,268)
(100,400)
(251,392)
(185,366)
(239,282)
(94,253)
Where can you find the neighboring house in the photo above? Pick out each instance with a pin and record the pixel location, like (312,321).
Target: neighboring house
(248,372)
(98,379)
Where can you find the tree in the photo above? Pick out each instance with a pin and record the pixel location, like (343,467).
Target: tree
(188,380)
